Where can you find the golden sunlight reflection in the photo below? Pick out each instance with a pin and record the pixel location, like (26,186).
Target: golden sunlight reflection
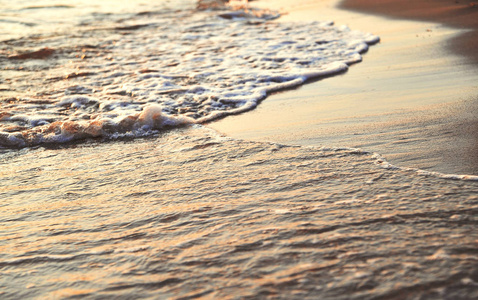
(112,186)
(253,216)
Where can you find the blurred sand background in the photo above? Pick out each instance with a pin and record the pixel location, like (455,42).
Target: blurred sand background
(413,99)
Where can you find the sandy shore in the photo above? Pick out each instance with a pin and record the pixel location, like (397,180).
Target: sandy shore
(411,99)
(457,13)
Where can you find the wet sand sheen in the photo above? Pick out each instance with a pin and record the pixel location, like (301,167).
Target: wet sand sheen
(411,99)
(460,14)
(190,214)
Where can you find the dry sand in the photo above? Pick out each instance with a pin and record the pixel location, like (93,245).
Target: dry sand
(413,98)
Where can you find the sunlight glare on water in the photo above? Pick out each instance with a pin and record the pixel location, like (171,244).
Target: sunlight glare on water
(193,214)
(195,66)
(104,194)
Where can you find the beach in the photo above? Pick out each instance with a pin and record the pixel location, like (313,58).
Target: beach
(459,14)
(413,101)
(160,151)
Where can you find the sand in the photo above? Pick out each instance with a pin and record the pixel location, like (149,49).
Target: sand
(457,13)
(413,98)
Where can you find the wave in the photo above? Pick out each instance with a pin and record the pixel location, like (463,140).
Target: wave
(156,71)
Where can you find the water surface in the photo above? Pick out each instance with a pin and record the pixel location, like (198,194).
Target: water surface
(108,191)
(190,214)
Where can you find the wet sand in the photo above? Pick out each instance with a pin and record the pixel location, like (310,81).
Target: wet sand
(413,98)
(457,13)
(191,214)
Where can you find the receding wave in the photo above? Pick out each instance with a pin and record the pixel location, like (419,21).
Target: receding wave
(191,213)
(154,71)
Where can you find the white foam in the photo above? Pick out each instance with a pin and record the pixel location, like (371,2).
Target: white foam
(192,68)
(383,163)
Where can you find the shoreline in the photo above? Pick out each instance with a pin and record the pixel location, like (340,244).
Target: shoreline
(462,14)
(188,212)
(410,99)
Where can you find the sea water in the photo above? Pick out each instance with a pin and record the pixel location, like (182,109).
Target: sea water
(133,73)
(111,188)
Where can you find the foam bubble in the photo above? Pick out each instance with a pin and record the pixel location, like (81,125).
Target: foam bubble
(189,68)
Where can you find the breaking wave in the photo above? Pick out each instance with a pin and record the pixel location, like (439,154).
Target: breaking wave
(158,69)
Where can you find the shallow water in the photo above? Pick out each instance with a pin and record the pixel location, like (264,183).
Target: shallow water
(187,213)
(411,100)
(154,69)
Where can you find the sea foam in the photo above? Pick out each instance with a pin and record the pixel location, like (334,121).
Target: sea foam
(187,68)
